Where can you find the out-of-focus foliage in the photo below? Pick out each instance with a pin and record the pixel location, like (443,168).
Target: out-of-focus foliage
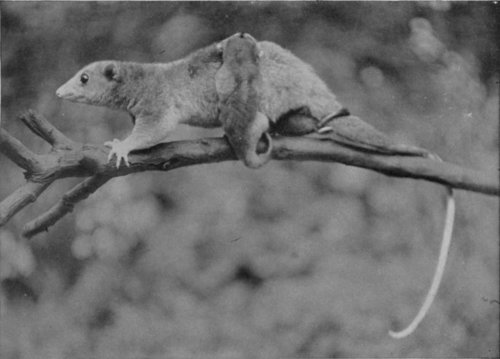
(293,260)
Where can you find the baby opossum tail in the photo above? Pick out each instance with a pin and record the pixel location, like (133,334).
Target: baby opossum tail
(254,159)
(438,274)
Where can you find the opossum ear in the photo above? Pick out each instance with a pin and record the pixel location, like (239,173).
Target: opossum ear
(111,72)
(219,46)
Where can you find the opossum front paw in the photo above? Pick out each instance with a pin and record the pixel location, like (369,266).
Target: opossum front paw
(118,149)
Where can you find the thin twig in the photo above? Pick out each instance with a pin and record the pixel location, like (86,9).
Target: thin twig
(65,205)
(19,154)
(20,198)
(43,128)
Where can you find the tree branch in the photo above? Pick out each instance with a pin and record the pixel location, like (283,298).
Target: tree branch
(70,159)
(421,168)
(172,155)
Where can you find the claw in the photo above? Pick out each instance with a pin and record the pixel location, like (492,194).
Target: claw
(110,144)
(125,159)
(118,149)
(325,129)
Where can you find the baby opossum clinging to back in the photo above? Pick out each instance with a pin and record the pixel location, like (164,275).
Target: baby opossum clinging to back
(238,84)
(288,93)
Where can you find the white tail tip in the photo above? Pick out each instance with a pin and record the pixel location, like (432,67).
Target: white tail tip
(438,275)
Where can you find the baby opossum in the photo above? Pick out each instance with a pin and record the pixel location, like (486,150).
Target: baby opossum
(291,96)
(238,85)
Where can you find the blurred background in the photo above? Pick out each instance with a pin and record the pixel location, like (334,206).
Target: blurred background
(293,260)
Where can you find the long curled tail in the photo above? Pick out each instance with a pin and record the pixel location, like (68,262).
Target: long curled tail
(352,131)
(438,274)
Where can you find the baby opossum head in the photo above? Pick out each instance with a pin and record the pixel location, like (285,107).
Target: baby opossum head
(240,48)
(240,57)
(94,84)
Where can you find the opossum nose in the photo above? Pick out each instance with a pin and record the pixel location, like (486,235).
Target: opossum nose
(62,92)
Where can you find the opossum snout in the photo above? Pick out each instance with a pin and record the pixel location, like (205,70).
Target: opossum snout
(62,91)
(66,92)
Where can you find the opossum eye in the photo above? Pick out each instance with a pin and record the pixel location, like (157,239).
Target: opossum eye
(84,78)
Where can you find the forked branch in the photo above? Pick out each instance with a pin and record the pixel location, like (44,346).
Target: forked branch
(65,204)
(71,159)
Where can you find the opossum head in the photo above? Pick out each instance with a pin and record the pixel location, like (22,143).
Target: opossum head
(95,84)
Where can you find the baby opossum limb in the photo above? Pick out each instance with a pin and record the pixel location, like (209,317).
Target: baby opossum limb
(300,122)
(296,122)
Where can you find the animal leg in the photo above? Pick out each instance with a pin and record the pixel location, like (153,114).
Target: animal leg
(353,131)
(146,133)
(297,122)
